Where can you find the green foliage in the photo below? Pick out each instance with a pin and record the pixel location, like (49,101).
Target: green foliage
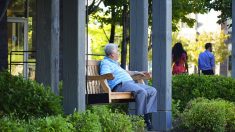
(120,108)
(26,98)
(112,122)
(194,48)
(188,87)
(175,109)
(115,121)
(11,125)
(224,6)
(47,124)
(99,37)
(182,8)
(51,124)
(204,115)
(99,118)
(137,123)
(85,122)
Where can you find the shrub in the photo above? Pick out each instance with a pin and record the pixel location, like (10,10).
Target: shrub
(51,124)
(188,87)
(85,122)
(26,98)
(10,125)
(209,115)
(46,124)
(137,123)
(112,122)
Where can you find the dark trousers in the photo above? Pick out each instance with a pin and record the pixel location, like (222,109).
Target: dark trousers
(208,72)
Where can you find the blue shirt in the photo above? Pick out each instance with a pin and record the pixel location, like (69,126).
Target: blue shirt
(206,61)
(108,65)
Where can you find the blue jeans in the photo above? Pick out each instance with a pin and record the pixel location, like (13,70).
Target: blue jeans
(145,96)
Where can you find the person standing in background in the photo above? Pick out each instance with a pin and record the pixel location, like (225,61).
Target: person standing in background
(206,60)
(179,59)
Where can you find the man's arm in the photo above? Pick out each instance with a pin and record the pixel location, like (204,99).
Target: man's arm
(144,73)
(199,64)
(213,62)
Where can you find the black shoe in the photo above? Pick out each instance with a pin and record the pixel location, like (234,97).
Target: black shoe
(149,126)
(148,122)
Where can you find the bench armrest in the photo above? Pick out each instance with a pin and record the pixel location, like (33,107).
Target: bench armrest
(108,76)
(103,80)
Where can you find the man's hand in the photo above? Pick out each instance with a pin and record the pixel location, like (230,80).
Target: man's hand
(143,73)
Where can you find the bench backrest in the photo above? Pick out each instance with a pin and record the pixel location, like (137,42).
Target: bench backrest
(93,87)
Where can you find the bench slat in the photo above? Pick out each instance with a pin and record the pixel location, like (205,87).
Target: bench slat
(121,95)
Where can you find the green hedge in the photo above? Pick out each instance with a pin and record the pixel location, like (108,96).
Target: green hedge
(26,98)
(46,124)
(98,119)
(116,122)
(85,122)
(209,116)
(7,124)
(188,87)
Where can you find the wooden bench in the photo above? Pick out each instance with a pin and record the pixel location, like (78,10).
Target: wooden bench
(98,90)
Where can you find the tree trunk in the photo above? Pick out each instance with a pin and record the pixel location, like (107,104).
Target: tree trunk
(124,37)
(3,38)
(112,33)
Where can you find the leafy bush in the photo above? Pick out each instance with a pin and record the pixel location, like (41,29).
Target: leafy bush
(51,124)
(175,108)
(47,124)
(112,122)
(209,115)
(116,122)
(26,98)
(85,122)
(188,87)
(97,120)
(137,123)
(10,125)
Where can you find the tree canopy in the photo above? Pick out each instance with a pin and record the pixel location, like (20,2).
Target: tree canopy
(180,10)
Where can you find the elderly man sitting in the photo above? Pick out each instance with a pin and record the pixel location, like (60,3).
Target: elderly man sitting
(145,96)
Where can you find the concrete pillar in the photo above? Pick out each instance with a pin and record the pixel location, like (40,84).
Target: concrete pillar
(233,39)
(162,76)
(138,35)
(3,36)
(47,39)
(138,39)
(74,82)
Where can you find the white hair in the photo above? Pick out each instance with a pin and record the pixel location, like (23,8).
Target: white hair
(110,48)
